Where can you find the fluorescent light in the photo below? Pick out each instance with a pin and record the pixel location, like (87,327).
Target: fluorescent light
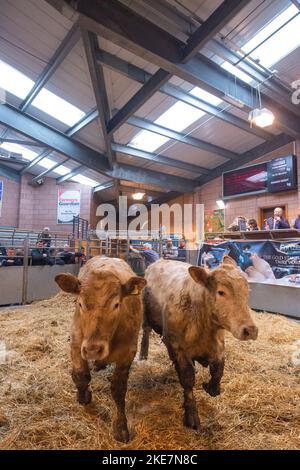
(261,117)
(220,204)
(138,196)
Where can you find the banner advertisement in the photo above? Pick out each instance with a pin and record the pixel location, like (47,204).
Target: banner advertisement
(214,221)
(68,205)
(270,262)
(1,196)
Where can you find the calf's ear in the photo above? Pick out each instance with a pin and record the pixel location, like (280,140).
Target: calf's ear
(134,286)
(230,261)
(201,276)
(68,283)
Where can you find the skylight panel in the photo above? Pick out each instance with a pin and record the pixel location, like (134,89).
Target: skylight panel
(47,163)
(237,72)
(84,180)
(281,43)
(14,81)
(26,152)
(265,32)
(205,96)
(18,84)
(57,107)
(148,141)
(178,117)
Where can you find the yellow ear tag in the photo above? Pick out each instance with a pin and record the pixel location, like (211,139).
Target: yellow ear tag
(135,291)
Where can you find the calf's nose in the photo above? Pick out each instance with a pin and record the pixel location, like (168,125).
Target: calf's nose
(249,332)
(93,349)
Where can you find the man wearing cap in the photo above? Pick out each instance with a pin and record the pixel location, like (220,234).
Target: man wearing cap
(45,236)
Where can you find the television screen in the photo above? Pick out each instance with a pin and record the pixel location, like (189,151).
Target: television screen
(247,180)
(282,174)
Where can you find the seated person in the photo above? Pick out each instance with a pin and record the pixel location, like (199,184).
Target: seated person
(45,236)
(67,255)
(276,222)
(3,254)
(297,222)
(252,225)
(170,251)
(40,255)
(233,227)
(54,258)
(182,249)
(11,259)
(149,255)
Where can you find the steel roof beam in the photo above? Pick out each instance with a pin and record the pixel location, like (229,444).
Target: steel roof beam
(181,137)
(224,13)
(59,56)
(136,73)
(161,159)
(140,35)
(49,170)
(70,175)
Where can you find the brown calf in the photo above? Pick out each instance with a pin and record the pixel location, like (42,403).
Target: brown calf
(191,307)
(105,327)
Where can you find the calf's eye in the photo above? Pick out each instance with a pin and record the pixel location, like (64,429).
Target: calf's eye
(221,293)
(116,305)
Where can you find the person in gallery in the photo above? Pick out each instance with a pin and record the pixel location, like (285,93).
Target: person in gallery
(277,222)
(297,221)
(45,236)
(252,225)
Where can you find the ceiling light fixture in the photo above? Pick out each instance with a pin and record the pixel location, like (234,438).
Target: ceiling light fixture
(138,196)
(261,117)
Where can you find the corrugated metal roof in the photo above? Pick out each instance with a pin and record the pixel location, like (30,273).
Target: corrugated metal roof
(289,67)
(192,155)
(35,27)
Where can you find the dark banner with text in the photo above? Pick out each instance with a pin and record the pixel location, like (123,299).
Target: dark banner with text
(271,262)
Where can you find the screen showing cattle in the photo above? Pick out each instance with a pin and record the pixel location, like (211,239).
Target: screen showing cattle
(282,174)
(251,179)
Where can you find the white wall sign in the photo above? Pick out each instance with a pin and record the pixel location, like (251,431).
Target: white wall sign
(68,205)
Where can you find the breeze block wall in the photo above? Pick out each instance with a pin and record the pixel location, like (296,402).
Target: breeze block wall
(34,207)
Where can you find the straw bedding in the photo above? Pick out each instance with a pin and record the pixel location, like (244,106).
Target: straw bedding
(259,407)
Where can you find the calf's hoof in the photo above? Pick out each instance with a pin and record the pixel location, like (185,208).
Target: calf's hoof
(191,420)
(212,390)
(120,432)
(84,397)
